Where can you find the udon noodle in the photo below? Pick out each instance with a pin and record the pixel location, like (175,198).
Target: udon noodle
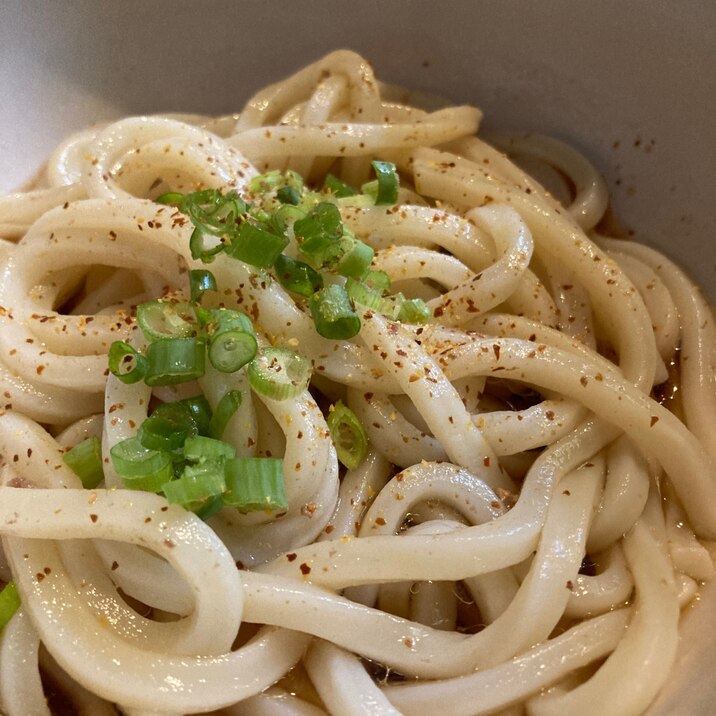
(529,520)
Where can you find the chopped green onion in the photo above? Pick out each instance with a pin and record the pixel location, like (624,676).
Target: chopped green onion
(391,305)
(338,187)
(288,195)
(173,198)
(264,183)
(319,233)
(231,350)
(199,448)
(225,409)
(227,319)
(297,276)
(255,483)
(256,246)
(213,212)
(279,373)
(175,360)
(355,263)
(200,410)
(333,313)
(207,509)
(200,280)
(126,363)
(323,219)
(165,319)
(388,182)
(85,460)
(205,247)
(169,425)
(379,280)
(197,484)
(414,310)
(139,467)
(285,215)
(361,293)
(348,435)
(9,603)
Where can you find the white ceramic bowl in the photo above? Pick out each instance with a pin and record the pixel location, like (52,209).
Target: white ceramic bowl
(632,85)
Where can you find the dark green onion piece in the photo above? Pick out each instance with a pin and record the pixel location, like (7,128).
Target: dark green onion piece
(225,409)
(414,310)
(388,182)
(205,247)
(9,603)
(324,218)
(199,448)
(297,276)
(348,435)
(256,246)
(197,484)
(125,363)
(279,373)
(319,233)
(333,313)
(288,195)
(355,263)
(255,483)
(165,319)
(337,187)
(85,460)
(231,350)
(200,410)
(139,467)
(175,360)
(200,280)
(169,425)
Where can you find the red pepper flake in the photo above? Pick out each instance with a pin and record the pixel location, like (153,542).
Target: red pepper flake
(567,493)
(570,585)
(239,564)
(380,521)
(486,461)
(496,349)
(328,529)
(290,557)
(94,518)
(654,421)
(584,380)
(114,566)
(549,415)
(408,643)
(169,543)
(305,569)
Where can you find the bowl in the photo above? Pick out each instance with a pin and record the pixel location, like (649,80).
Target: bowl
(631,85)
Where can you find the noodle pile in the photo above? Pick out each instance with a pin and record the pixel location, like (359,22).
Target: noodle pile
(528,522)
